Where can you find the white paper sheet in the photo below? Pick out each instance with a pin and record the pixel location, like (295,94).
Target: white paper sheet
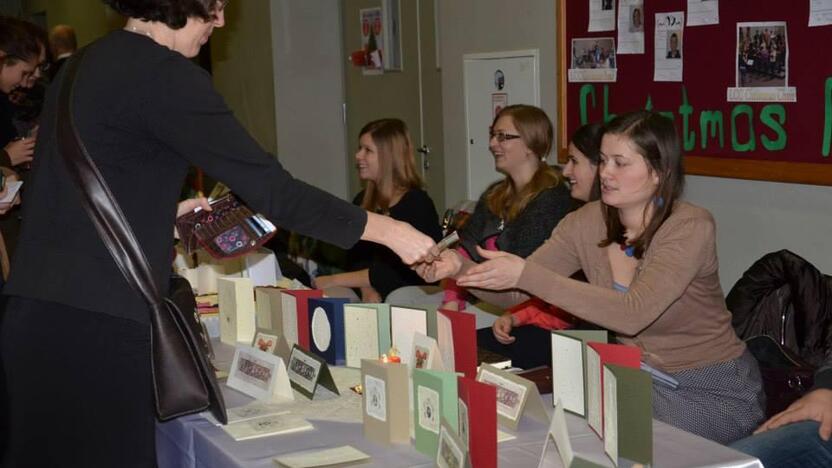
(360,334)
(336,456)
(668,46)
(820,12)
(568,372)
(593,391)
(703,12)
(610,415)
(404,322)
(290,319)
(631,27)
(267,426)
(601,15)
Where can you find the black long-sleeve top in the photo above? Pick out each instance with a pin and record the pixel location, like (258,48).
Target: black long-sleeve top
(145,113)
(386,271)
(522,235)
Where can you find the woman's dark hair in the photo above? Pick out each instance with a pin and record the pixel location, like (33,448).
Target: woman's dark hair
(174,13)
(17,41)
(587,139)
(654,137)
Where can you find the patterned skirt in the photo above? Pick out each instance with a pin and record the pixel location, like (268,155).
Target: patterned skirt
(723,402)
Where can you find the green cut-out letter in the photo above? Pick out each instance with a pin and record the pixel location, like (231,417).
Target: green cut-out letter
(586,90)
(710,122)
(774,117)
(751,144)
(827,122)
(685,110)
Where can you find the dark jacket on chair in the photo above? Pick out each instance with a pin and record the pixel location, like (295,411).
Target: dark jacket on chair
(785,297)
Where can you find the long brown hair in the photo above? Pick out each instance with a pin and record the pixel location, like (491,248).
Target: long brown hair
(535,129)
(654,137)
(396,163)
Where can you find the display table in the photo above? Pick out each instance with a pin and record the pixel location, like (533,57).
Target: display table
(193,441)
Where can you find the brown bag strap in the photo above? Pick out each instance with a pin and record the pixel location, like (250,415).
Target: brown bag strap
(96,198)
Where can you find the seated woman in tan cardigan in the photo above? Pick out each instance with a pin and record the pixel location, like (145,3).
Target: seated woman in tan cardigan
(652,268)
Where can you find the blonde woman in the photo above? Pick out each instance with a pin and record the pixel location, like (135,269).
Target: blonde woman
(518,213)
(386,164)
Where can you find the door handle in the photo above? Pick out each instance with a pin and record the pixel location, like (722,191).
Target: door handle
(424,150)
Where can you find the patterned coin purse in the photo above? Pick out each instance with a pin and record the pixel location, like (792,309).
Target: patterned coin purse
(231,229)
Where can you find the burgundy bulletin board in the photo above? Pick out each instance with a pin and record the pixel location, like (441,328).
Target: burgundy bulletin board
(803,128)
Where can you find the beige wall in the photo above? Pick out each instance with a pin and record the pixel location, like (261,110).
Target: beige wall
(396,93)
(393,94)
(477,26)
(241,55)
(90,18)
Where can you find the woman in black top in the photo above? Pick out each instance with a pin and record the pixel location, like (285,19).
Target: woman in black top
(386,163)
(75,339)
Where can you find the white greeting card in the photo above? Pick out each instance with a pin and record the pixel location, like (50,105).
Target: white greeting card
(259,375)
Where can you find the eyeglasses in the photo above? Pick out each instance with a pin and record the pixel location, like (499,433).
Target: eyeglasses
(501,137)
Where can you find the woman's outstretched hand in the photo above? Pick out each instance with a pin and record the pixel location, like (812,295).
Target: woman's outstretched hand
(500,271)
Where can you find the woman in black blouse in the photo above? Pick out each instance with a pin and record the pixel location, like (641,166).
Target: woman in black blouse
(75,340)
(386,163)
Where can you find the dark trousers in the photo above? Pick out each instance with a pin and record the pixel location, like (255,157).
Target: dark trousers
(78,388)
(531,348)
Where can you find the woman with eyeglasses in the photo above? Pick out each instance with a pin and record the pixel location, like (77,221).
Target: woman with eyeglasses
(519,212)
(75,340)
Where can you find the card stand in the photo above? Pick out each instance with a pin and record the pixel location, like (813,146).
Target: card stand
(260,375)
(569,366)
(477,421)
(516,397)
(385,402)
(310,375)
(404,323)
(326,328)
(235,297)
(295,314)
(434,400)
(464,335)
(628,415)
(559,435)
(598,355)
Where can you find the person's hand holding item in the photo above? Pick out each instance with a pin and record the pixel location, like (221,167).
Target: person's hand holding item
(21,150)
(445,265)
(186,206)
(406,241)
(10,176)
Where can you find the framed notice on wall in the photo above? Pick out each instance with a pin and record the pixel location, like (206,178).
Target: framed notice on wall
(754,100)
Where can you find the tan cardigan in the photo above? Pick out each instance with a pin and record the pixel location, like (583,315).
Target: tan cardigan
(674,309)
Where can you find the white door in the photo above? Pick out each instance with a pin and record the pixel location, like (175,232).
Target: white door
(494,80)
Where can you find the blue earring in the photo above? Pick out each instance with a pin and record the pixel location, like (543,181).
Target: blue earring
(658,201)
